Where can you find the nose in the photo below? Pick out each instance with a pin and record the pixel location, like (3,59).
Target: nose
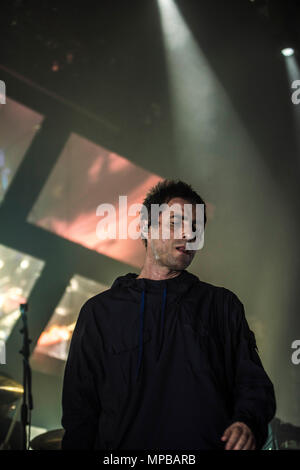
(188,233)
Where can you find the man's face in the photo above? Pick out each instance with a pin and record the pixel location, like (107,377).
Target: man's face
(171,252)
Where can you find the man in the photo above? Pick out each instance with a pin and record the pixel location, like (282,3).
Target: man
(163,360)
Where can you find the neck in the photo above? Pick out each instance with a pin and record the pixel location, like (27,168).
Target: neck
(157,272)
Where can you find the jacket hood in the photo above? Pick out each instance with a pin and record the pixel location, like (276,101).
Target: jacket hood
(174,288)
(176,285)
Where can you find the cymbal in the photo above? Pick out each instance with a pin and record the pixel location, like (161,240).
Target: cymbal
(10,390)
(50,440)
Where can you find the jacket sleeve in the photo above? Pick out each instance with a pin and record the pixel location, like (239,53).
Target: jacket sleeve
(253,392)
(80,402)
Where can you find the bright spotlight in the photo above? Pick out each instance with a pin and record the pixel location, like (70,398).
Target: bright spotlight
(287,51)
(24,264)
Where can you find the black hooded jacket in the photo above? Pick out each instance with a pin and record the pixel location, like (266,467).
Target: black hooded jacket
(163,365)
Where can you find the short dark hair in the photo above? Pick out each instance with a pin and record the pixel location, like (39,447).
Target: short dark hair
(166,190)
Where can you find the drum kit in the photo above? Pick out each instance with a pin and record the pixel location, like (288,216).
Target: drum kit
(15,397)
(50,440)
(11,393)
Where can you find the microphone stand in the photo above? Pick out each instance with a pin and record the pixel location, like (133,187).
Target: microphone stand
(27,404)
